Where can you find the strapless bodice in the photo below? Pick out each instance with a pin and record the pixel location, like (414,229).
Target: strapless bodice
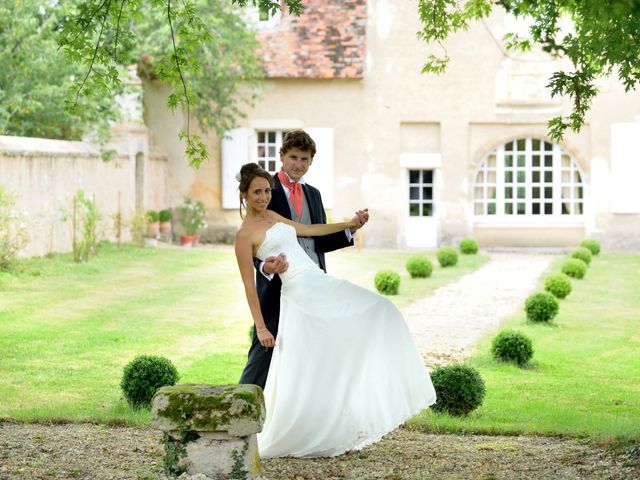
(281,238)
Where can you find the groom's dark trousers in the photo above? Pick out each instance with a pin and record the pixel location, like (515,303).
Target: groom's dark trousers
(259,358)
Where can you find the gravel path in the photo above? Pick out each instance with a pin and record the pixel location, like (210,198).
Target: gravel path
(447,325)
(96,452)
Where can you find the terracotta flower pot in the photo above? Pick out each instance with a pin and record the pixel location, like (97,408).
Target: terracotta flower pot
(153,229)
(165,228)
(187,240)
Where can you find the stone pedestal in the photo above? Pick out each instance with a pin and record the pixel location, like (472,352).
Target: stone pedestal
(210,430)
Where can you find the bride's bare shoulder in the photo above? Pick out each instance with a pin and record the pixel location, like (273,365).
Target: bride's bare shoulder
(246,232)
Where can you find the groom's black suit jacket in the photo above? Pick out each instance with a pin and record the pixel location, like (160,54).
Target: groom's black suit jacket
(259,359)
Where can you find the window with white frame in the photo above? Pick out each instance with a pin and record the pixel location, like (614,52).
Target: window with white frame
(528,177)
(268,149)
(420,193)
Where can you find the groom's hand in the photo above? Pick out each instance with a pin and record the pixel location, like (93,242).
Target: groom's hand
(361,217)
(276,264)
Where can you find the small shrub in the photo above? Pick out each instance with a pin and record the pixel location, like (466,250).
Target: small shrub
(13,230)
(419,266)
(143,376)
(509,346)
(468,246)
(583,254)
(447,257)
(592,245)
(251,330)
(165,215)
(574,267)
(387,282)
(541,307)
(153,216)
(459,389)
(559,285)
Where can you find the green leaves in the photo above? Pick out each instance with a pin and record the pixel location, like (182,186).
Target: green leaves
(440,18)
(35,78)
(202,48)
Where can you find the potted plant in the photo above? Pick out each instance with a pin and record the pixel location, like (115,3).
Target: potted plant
(153,223)
(165,221)
(192,214)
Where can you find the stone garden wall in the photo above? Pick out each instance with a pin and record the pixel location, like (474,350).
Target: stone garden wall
(44,175)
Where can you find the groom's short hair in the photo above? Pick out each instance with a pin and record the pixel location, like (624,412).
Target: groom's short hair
(298,139)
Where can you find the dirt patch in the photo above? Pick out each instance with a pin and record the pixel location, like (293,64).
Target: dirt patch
(86,451)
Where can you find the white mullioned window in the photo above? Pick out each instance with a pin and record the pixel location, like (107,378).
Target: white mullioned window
(528,177)
(268,149)
(421,193)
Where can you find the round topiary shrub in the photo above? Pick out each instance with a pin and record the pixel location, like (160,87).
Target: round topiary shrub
(447,257)
(574,267)
(592,245)
(387,282)
(468,246)
(459,389)
(143,376)
(509,346)
(419,266)
(541,307)
(559,285)
(583,254)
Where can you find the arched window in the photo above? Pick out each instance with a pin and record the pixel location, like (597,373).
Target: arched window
(528,177)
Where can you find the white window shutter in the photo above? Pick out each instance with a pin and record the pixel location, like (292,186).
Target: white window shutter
(320,174)
(625,167)
(235,153)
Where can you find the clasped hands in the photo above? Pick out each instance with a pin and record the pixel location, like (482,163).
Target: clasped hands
(279,264)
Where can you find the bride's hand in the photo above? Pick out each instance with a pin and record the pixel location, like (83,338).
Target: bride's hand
(265,338)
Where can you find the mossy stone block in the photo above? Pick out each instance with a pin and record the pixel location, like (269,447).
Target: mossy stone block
(235,409)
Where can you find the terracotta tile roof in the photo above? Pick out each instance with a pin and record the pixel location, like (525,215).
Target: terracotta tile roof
(326,41)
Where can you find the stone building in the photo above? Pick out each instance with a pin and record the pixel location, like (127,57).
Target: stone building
(434,158)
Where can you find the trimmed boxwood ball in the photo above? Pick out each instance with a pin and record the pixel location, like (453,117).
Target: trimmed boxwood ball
(468,246)
(592,245)
(387,282)
(447,257)
(459,389)
(541,307)
(419,266)
(583,254)
(559,285)
(574,267)
(143,376)
(509,346)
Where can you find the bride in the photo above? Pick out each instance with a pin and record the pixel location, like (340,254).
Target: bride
(345,370)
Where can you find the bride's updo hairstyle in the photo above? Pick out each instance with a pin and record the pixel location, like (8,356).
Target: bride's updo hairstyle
(248,172)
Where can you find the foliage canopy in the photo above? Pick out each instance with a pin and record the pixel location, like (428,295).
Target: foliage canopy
(202,48)
(35,78)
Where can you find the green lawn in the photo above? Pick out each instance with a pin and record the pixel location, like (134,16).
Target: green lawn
(584,379)
(66,330)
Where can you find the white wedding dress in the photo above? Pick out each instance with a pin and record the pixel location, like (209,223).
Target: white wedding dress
(345,370)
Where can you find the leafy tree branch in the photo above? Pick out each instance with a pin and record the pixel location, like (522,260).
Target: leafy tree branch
(604,40)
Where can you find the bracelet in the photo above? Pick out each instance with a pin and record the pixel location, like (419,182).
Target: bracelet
(261,329)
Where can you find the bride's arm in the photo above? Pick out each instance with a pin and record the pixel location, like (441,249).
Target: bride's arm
(244,256)
(315,230)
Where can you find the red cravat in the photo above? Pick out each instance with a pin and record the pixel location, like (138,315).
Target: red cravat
(296,192)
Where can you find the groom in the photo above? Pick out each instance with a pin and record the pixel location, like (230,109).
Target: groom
(292,198)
